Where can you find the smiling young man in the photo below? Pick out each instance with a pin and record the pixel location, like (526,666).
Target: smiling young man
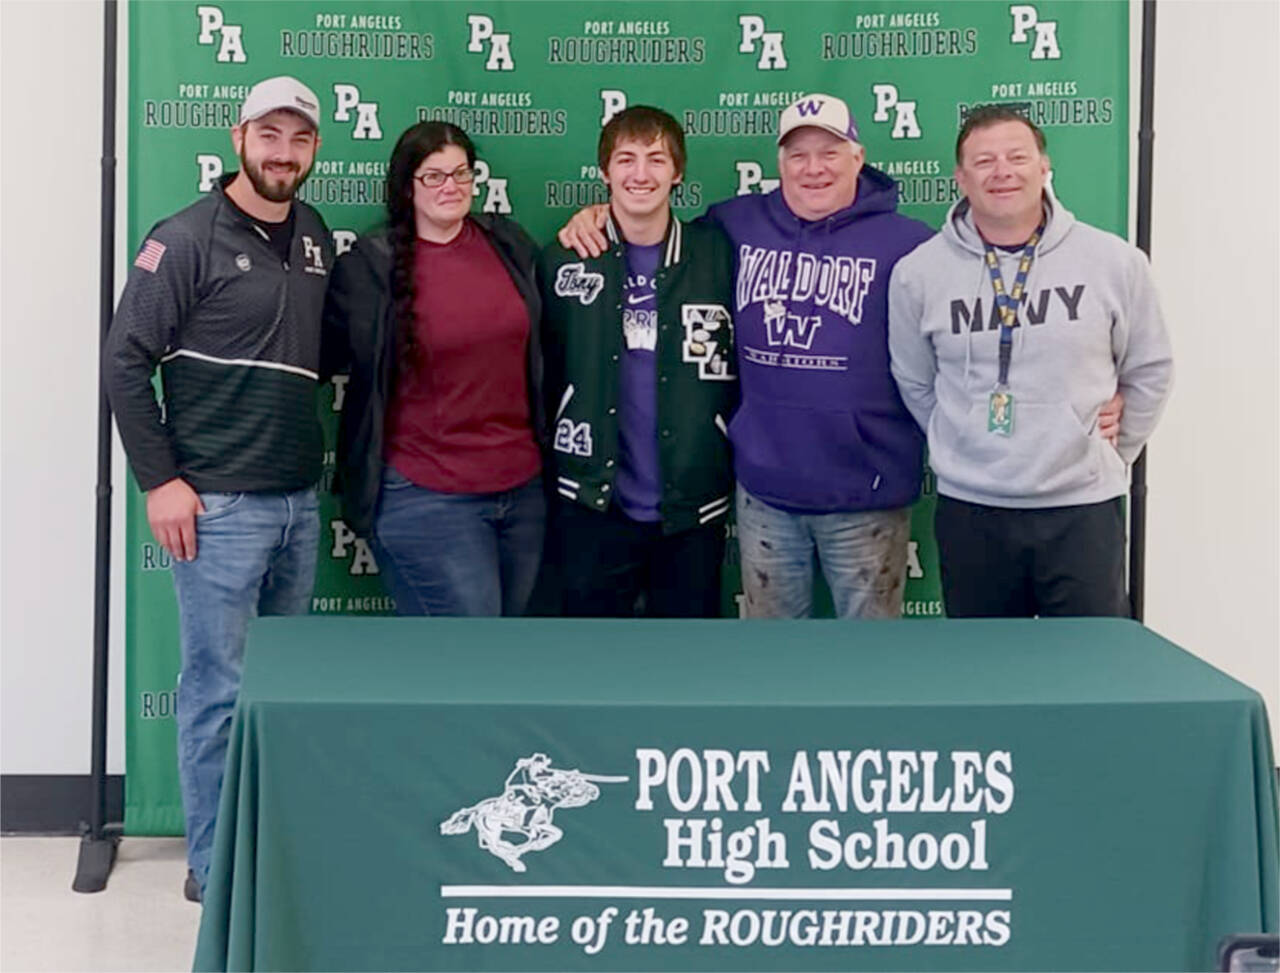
(225,298)
(1009,332)
(641,384)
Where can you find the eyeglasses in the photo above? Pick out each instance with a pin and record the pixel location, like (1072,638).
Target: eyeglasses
(432,178)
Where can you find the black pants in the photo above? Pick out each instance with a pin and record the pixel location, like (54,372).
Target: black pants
(999,562)
(616,567)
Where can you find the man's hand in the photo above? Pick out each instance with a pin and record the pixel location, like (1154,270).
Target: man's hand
(584,233)
(1109,418)
(171,512)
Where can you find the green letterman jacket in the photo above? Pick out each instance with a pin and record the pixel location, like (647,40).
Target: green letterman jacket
(696,370)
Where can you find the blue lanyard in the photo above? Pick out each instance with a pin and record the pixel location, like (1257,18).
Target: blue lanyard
(1008,303)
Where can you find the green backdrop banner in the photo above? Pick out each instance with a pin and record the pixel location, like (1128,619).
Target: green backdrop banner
(532,83)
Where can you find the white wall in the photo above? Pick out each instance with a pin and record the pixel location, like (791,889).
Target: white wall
(1213,576)
(50,148)
(1213,567)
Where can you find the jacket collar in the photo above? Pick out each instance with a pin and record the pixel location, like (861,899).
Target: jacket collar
(239,215)
(673,242)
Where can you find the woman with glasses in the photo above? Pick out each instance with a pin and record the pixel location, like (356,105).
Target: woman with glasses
(439,448)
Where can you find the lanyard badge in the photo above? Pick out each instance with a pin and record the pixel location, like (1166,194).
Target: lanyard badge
(1001,404)
(1000,412)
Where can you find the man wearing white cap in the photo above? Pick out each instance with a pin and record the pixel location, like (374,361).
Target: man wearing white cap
(225,297)
(827,459)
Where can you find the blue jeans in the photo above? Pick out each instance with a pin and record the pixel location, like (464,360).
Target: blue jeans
(863,556)
(255,555)
(458,553)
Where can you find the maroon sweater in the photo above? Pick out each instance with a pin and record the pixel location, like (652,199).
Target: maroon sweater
(459,422)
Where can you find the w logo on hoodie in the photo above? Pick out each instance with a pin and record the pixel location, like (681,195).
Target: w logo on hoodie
(781,328)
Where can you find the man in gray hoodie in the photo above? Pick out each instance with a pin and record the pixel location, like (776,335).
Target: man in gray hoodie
(1008,333)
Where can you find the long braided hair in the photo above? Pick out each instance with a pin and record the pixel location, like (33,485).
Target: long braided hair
(415,144)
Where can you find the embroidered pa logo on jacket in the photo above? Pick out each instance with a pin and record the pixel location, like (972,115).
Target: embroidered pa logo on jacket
(313,255)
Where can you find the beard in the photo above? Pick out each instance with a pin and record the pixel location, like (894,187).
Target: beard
(280,185)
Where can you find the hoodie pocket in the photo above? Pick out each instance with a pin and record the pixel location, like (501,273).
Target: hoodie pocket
(1048,453)
(813,457)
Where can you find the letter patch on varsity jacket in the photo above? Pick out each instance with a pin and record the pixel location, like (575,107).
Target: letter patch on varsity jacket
(572,280)
(707,330)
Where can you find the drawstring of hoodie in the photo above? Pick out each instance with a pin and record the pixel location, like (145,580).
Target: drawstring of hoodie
(984,279)
(1018,340)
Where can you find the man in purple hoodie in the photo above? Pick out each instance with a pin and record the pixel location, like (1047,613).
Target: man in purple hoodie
(827,458)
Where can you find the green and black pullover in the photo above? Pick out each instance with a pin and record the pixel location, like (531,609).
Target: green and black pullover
(235,332)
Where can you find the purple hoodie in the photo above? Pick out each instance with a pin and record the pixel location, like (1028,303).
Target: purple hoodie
(821,428)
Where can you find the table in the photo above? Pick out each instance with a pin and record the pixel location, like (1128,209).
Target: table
(566,794)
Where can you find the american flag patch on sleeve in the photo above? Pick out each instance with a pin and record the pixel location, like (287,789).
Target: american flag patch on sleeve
(149,256)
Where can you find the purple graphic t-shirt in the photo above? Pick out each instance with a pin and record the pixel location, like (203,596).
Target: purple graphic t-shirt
(638,484)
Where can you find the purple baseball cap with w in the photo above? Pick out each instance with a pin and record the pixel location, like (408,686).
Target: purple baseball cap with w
(820,111)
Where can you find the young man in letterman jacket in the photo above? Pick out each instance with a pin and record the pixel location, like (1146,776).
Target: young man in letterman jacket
(641,385)
(1030,517)
(225,297)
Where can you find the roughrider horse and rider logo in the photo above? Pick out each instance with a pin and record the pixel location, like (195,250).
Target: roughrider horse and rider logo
(526,806)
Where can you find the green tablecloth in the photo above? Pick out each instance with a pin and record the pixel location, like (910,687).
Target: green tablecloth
(1018,795)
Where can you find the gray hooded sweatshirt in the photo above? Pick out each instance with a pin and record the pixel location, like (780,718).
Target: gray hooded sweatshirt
(1088,324)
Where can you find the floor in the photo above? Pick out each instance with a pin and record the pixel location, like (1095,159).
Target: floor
(139,922)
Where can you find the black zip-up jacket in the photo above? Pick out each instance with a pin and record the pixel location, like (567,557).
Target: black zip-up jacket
(236,334)
(360,337)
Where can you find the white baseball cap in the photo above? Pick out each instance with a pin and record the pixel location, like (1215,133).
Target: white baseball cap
(820,111)
(274,94)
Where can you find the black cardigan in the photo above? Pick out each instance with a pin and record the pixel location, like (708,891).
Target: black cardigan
(359,335)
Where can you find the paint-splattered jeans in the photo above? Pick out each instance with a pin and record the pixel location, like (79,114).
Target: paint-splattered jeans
(863,557)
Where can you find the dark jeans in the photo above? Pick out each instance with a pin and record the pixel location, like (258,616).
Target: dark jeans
(616,567)
(1000,562)
(458,553)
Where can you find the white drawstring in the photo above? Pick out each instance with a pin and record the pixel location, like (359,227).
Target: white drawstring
(983,275)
